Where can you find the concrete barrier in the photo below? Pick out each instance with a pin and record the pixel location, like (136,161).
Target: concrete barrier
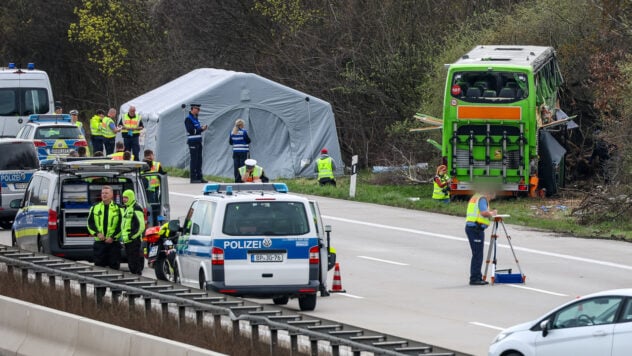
(28,329)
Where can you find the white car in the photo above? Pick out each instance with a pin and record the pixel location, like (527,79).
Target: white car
(596,324)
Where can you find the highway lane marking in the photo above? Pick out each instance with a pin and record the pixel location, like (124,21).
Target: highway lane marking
(462,239)
(385,261)
(349,295)
(486,325)
(538,290)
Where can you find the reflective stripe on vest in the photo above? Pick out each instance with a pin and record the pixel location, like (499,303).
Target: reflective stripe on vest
(117,156)
(474,213)
(239,142)
(325,168)
(131,124)
(438,192)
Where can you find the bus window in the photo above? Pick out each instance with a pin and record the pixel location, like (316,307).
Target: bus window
(489,87)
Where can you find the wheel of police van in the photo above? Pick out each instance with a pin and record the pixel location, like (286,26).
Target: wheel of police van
(14,241)
(281,300)
(40,246)
(202,279)
(307,302)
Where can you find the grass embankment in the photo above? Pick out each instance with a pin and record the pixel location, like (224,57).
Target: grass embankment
(552,214)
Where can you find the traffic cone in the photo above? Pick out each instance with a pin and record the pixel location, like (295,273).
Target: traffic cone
(337,285)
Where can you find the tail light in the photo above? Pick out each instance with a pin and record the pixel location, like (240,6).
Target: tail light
(314,254)
(52,219)
(217,256)
(81,143)
(145,215)
(39,143)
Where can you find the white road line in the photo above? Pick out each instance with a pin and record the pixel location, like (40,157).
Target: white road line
(486,325)
(538,290)
(349,295)
(455,238)
(385,261)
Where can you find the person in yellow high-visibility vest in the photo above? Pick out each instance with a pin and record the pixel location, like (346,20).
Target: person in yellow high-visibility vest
(109,130)
(252,173)
(153,183)
(104,224)
(132,125)
(325,167)
(441,184)
(476,221)
(96,135)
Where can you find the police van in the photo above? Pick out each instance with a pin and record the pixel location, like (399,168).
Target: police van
(255,240)
(23,92)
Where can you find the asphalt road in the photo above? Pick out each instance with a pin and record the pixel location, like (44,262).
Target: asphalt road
(405,272)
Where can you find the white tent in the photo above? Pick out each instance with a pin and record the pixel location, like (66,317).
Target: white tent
(287,127)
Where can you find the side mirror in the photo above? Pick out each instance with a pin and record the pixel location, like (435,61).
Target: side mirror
(16,204)
(544,325)
(327,228)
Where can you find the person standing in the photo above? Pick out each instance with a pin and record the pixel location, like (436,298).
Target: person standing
(104,223)
(74,118)
(58,109)
(194,140)
(109,130)
(476,221)
(132,125)
(119,151)
(132,229)
(239,139)
(153,184)
(96,133)
(325,167)
(441,183)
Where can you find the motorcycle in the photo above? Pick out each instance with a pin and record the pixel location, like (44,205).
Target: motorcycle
(160,250)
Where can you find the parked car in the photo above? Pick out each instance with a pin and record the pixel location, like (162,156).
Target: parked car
(54,135)
(18,162)
(255,240)
(52,217)
(596,324)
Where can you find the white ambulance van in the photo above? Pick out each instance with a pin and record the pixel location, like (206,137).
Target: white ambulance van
(23,92)
(255,240)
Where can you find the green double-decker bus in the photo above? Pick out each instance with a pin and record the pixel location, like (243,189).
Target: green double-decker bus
(500,102)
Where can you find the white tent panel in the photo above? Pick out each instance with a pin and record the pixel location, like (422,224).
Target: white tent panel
(288,128)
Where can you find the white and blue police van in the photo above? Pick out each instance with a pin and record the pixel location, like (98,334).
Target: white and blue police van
(255,240)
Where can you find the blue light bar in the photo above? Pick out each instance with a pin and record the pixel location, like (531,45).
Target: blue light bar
(50,118)
(210,188)
(30,66)
(11,65)
(280,187)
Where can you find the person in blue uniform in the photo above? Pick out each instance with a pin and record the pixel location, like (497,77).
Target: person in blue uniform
(240,141)
(194,140)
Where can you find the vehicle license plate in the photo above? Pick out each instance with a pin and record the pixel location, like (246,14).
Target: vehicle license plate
(61,151)
(154,251)
(20,185)
(266,257)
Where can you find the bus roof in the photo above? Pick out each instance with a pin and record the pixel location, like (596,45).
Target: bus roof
(532,56)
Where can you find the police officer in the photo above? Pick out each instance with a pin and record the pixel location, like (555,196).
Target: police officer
(476,221)
(325,167)
(74,117)
(132,125)
(104,223)
(194,140)
(441,183)
(239,140)
(153,183)
(96,135)
(251,173)
(132,229)
(109,130)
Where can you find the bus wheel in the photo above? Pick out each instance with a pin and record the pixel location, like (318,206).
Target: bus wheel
(307,302)
(281,300)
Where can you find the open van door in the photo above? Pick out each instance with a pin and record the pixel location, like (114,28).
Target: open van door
(327,253)
(157,191)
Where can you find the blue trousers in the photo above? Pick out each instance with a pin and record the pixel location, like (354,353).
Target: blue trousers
(132,145)
(97,144)
(195,150)
(476,237)
(239,160)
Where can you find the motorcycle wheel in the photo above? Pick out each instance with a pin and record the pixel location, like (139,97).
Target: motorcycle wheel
(163,272)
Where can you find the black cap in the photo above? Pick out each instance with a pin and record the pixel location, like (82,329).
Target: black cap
(195,106)
(58,105)
(100,112)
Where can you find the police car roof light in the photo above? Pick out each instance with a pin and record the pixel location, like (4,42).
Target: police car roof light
(210,188)
(30,66)
(280,187)
(11,65)
(50,118)
(229,190)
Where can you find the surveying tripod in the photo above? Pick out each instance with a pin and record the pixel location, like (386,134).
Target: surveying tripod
(507,277)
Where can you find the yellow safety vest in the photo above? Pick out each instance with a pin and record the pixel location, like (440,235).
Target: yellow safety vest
(256,173)
(129,122)
(325,168)
(114,219)
(95,125)
(474,213)
(106,131)
(438,192)
(154,182)
(129,214)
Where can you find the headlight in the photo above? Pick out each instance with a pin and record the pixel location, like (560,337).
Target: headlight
(501,336)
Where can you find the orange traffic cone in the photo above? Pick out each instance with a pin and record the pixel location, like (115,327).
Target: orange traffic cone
(337,285)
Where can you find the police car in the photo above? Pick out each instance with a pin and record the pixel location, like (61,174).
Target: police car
(255,240)
(52,218)
(18,162)
(53,135)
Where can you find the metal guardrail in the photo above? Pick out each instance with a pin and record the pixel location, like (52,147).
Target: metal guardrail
(357,340)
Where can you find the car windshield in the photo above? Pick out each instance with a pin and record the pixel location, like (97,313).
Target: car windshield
(489,86)
(265,218)
(18,156)
(58,132)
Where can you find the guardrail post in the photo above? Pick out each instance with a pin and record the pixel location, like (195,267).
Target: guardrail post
(147,306)
(235,329)
(274,340)
(165,310)
(313,344)
(52,281)
(99,293)
(83,290)
(38,278)
(217,324)
(25,275)
(293,343)
(182,311)
(199,317)
(67,286)
(254,333)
